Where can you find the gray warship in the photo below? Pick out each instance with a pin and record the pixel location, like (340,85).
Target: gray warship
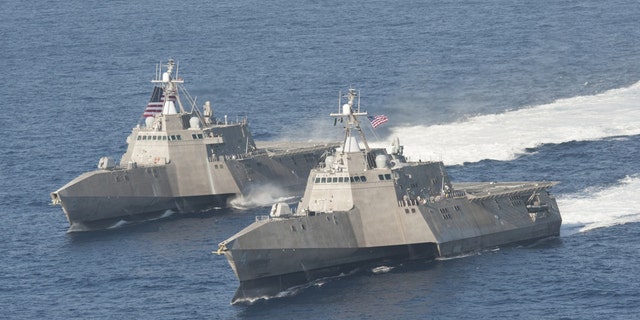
(182,159)
(364,205)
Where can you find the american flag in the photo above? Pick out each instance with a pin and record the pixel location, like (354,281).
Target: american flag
(377,120)
(155,103)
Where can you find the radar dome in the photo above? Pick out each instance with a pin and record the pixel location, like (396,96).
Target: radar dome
(329,161)
(346,109)
(194,123)
(381,161)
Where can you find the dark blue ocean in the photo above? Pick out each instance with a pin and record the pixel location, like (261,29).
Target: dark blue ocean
(498,90)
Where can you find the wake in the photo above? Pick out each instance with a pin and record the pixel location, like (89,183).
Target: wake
(506,135)
(261,196)
(591,209)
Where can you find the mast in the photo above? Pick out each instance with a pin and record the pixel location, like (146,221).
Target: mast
(170,88)
(351,115)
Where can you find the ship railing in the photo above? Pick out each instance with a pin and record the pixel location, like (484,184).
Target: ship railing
(422,201)
(237,156)
(458,194)
(293,152)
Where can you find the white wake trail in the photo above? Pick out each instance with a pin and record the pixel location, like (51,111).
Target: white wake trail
(593,209)
(506,135)
(261,196)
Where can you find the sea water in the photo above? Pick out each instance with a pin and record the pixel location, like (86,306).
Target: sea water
(498,90)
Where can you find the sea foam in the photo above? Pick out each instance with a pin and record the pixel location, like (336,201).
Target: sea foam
(598,208)
(506,135)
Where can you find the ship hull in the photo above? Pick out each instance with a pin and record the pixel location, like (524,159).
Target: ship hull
(97,211)
(317,263)
(264,273)
(101,196)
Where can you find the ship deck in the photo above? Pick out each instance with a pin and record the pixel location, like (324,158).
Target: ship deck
(291,146)
(487,190)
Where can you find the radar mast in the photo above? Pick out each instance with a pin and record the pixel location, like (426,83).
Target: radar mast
(351,114)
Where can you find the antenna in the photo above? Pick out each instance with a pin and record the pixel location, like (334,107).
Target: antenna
(347,111)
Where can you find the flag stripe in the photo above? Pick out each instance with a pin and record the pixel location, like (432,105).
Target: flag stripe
(377,120)
(155,103)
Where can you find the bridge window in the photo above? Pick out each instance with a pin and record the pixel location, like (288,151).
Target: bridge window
(324,180)
(363,178)
(317,180)
(356,179)
(387,176)
(335,179)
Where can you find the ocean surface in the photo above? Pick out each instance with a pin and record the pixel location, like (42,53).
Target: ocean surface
(498,90)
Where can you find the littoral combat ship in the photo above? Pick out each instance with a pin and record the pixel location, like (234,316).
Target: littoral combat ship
(363,205)
(181,159)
